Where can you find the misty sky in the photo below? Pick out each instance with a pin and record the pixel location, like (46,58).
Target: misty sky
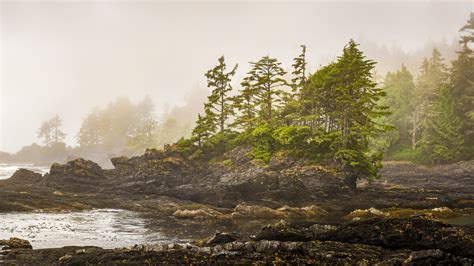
(66,58)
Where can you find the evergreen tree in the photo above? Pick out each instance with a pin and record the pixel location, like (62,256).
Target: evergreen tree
(299,71)
(145,136)
(264,84)
(245,104)
(202,130)
(50,131)
(433,74)
(400,90)
(342,101)
(442,140)
(357,108)
(290,113)
(90,134)
(462,82)
(219,106)
(317,99)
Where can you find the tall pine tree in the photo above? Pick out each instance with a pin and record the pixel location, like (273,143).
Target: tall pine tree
(356,110)
(462,82)
(433,74)
(299,71)
(264,83)
(202,130)
(400,90)
(442,140)
(219,106)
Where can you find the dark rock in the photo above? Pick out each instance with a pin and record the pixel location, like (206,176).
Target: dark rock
(221,238)
(283,231)
(77,168)
(15,243)
(415,233)
(25,176)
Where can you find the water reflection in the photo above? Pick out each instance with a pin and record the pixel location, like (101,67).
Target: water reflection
(108,228)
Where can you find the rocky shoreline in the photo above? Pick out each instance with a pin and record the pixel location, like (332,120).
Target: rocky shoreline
(237,189)
(417,240)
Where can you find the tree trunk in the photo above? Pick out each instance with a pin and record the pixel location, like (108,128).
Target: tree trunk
(351,181)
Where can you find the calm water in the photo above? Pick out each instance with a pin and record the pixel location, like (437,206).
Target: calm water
(108,228)
(7,170)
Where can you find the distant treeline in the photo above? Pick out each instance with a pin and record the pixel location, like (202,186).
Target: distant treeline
(120,128)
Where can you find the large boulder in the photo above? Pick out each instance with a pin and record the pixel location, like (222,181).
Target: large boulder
(77,168)
(25,176)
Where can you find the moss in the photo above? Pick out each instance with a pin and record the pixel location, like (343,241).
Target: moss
(441,212)
(228,163)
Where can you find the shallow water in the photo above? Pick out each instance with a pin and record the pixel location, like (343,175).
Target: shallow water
(7,170)
(467,219)
(108,228)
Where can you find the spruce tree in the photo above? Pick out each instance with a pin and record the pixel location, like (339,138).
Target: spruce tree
(290,113)
(462,82)
(202,130)
(219,106)
(355,110)
(264,83)
(400,90)
(316,99)
(245,104)
(433,74)
(299,71)
(442,140)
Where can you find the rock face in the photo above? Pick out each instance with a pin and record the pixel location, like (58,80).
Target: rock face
(223,183)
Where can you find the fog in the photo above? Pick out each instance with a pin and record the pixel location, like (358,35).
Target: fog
(67,58)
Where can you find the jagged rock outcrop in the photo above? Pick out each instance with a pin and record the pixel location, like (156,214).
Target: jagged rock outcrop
(79,168)
(78,175)
(25,176)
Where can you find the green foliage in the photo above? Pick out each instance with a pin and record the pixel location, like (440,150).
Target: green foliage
(407,154)
(203,129)
(462,82)
(185,146)
(343,101)
(442,141)
(263,142)
(219,106)
(331,115)
(263,87)
(358,164)
(400,90)
(299,71)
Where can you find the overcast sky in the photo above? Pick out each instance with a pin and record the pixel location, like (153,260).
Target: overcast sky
(66,58)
